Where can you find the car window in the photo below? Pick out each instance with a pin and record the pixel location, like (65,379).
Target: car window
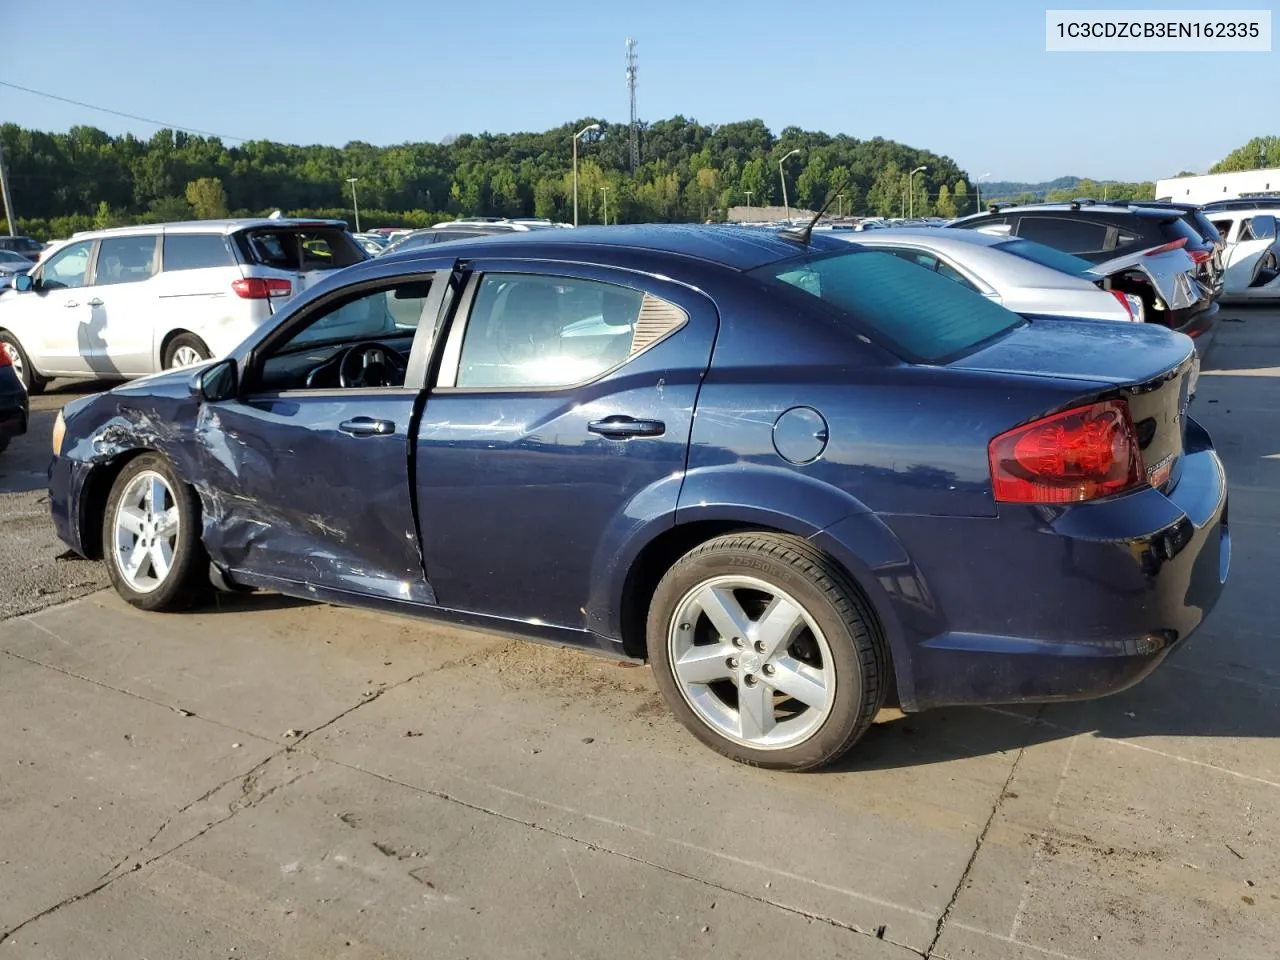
(8,256)
(923,316)
(310,357)
(1063,233)
(125,260)
(545,332)
(1045,256)
(951,273)
(298,248)
(67,267)
(1223,227)
(196,251)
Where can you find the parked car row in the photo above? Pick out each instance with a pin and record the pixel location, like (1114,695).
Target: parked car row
(787,470)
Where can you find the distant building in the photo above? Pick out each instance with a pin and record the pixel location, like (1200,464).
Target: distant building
(1220,186)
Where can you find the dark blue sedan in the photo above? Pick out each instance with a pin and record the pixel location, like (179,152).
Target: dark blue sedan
(790,472)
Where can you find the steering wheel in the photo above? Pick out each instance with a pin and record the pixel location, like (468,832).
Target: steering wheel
(371,364)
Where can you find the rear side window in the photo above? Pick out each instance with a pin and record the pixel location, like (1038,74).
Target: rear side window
(1063,233)
(1205,226)
(1045,256)
(302,248)
(125,260)
(921,314)
(196,251)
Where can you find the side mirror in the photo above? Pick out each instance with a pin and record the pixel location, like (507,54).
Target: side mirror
(1264,227)
(216,383)
(23,282)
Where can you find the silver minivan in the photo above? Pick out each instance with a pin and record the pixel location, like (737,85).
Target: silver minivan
(130,301)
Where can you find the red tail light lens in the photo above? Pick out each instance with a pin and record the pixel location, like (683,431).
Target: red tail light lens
(257,288)
(1200,256)
(5,359)
(1076,455)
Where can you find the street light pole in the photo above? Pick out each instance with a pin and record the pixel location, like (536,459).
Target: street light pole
(355,203)
(593,126)
(781,176)
(911,193)
(605,191)
(978,184)
(840,205)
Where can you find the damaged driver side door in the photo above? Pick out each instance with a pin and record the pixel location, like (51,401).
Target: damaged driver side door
(306,474)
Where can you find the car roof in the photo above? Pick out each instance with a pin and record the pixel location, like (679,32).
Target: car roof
(739,248)
(209,226)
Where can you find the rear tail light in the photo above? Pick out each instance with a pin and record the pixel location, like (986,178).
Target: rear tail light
(5,359)
(1131,304)
(1069,457)
(257,288)
(1200,256)
(1166,247)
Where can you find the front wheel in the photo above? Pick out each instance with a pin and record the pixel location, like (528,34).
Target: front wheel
(185,350)
(151,537)
(21,363)
(766,651)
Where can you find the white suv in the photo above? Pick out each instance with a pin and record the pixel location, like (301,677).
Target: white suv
(122,303)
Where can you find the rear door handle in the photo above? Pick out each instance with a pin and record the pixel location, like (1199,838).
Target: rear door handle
(367,427)
(95,302)
(622,427)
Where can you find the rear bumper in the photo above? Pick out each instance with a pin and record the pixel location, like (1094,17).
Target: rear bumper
(1065,603)
(1195,321)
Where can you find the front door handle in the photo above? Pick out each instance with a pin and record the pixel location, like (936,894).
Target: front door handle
(71,303)
(622,427)
(367,427)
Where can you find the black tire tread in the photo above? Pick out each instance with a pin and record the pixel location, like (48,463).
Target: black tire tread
(845,597)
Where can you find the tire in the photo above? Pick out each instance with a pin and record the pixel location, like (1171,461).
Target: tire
(185,583)
(22,364)
(185,344)
(842,666)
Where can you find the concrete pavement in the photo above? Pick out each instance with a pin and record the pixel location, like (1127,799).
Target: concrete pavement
(278,779)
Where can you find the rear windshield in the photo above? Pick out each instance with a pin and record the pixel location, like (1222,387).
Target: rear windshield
(302,248)
(1205,226)
(1046,256)
(922,315)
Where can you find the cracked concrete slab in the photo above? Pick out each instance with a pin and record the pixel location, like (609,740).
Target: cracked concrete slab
(88,774)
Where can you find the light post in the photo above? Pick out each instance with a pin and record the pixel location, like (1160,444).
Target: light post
(910,194)
(354,202)
(978,184)
(589,127)
(748,193)
(605,191)
(781,176)
(840,205)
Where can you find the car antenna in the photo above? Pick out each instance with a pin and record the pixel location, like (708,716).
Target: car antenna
(805,232)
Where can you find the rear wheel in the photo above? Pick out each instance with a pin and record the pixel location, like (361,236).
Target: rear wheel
(21,363)
(185,350)
(766,652)
(151,537)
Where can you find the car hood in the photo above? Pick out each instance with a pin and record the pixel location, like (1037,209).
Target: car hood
(1090,350)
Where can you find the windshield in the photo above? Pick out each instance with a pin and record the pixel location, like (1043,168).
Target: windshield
(922,315)
(1046,256)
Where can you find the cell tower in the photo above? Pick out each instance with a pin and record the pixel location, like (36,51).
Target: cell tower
(632,62)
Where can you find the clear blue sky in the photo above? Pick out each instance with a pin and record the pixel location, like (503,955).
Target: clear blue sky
(970,81)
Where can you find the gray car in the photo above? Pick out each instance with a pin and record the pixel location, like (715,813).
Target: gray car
(1033,279)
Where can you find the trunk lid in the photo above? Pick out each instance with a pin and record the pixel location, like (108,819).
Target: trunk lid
(302,253)
(1153,370)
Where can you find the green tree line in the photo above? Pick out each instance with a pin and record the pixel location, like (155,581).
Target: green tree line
(85,178)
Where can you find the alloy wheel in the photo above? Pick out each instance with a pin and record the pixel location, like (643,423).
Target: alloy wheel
(146,528)
(751,662)
(186,356)
(15,359)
